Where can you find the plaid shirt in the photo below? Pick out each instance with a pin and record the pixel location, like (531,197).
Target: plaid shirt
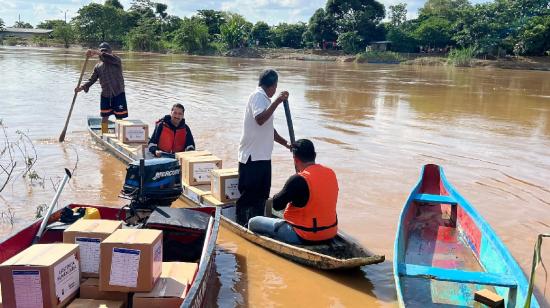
(109,73)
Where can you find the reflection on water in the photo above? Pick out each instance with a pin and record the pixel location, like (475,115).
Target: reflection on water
(376,125)
(250,275)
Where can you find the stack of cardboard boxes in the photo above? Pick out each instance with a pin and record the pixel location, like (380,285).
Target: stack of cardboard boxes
(116,266)
(204,180)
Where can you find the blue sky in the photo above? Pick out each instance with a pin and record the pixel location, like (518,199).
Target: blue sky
(271,11)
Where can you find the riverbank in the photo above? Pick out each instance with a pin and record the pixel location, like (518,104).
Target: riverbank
(516,63)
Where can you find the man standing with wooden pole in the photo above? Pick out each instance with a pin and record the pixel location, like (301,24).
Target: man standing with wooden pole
(109,73)
(256,147)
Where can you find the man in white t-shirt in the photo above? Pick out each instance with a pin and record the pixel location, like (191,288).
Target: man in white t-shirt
(256,146)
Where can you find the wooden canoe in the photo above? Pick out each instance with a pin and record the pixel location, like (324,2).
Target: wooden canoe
(445,251)
(340,253)
(201,287)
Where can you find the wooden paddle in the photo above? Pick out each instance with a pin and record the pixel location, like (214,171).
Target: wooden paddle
(62,136)
(289,122)
(269,203)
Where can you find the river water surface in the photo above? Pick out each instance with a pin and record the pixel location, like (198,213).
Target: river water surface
(375,125)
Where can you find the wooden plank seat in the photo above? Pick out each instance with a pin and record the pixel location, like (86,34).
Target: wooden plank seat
(428,198)
(482,278)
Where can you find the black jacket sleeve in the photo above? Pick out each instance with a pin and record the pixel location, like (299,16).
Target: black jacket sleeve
(295,191)
(153,142)
(189,141)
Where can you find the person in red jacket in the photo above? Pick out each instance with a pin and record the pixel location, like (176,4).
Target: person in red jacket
(309,201)
(171,134)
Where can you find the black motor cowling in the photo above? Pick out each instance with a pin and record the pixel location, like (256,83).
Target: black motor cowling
(153,182)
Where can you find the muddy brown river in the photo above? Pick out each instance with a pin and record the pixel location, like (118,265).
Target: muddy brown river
(375,125)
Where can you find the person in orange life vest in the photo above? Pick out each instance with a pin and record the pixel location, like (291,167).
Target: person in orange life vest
(309,201)
(171,134)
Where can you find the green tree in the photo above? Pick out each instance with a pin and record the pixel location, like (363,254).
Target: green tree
(289,35)
(212,19)
(363,16)
(434,32)
(446,9)
(171,24)
(534,37)
(143,8)
(23,25)
(144,37)
(192,36)
(350,42)
(402,37)
(96,22)
(160,11)
(50,24)
(2,25)
(236,31)
(65,33)
(398,14)
(486,27)
(321,27)
(114,3)
(261,32)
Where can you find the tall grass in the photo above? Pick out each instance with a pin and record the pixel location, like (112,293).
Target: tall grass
(380,56)
(461,57)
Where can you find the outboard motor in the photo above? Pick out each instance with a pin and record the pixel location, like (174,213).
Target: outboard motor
(152,182)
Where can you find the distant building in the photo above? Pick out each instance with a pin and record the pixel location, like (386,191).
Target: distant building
(379,46)
(24,33)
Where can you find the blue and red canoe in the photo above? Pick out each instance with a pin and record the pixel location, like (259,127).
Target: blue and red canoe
(445,251)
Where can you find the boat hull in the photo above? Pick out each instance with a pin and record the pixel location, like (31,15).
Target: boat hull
(445,251)
(198,294)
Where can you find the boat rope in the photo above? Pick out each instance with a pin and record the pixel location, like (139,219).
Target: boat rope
(537,259)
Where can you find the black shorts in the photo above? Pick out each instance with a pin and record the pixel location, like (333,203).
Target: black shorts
(114,105)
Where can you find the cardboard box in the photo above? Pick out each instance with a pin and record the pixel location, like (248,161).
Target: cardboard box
(198,169)
(225,184)
(131,131)
(88,234)
(89,289)
(131,260)
(43,275)
(182,157)
(95,303)
(170,289)
(195,193)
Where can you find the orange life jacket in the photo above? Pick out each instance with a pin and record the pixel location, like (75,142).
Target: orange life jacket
(170,140)
(317,220)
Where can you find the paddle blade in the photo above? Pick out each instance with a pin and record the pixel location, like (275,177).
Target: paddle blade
(62,136)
